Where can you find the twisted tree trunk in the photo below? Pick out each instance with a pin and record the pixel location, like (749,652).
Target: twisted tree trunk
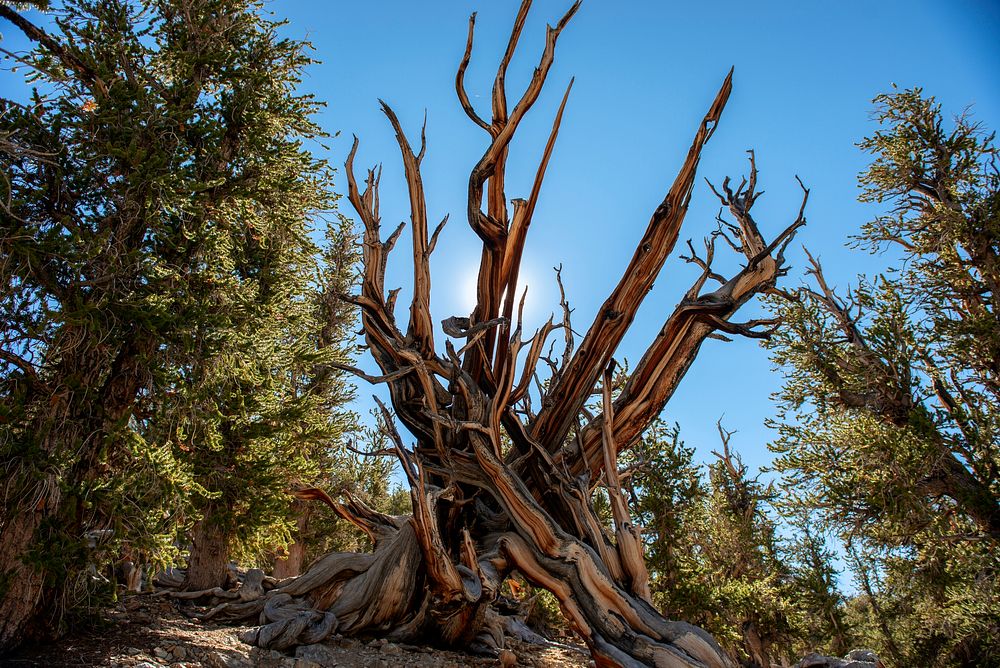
(498,487)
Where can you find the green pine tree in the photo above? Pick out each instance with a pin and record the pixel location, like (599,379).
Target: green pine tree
(156,214)
(890,426)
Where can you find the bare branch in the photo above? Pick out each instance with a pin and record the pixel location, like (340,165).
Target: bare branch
(523,212)
(434,235)
(374,380)
(618,311)
(420,326)
(65,56)
(463,97)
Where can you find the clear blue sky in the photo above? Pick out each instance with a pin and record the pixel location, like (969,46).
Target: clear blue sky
(645,73)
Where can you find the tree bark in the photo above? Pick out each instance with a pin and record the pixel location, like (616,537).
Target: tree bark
(208,561)
(22,586)
(289,563)
(71,430)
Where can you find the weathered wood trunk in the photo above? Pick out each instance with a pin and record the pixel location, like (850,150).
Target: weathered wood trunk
(505,459)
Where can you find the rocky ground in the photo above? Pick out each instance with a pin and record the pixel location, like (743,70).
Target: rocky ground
(149,632)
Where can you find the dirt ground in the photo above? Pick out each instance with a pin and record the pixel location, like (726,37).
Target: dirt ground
(149,632)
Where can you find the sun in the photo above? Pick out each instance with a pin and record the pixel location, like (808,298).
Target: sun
(466,289)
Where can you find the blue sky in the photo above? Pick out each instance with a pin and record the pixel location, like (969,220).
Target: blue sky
(805,74)
(646,71)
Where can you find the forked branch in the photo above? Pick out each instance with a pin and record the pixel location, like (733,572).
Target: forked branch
(618,311)
(696,318)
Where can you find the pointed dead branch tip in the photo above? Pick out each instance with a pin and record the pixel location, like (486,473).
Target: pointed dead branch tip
(547,154)
(423,139)
(715,111)
(816,271)
(805,198)
(746,329)
(520,307)
(568,15)
(388,427)
(390,242)
(753,172)
(404,143)
(736,468)
(499,88)
(434,236)
(354,150)
(463,96)
(705,265)
(369,453)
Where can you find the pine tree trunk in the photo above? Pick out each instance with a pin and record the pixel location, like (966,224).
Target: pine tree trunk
(21,586)
(208,561)
(44,510)
(290,563)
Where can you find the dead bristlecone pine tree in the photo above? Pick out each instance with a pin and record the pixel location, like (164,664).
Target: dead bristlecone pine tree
(506,457)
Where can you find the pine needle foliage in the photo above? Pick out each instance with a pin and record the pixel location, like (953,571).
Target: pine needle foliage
(889,425)
(168,321)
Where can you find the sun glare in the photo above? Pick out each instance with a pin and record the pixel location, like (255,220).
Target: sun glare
(527,279)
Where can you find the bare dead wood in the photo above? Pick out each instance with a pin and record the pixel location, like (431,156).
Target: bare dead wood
(661,368)
(616,314)
(492,225)
(626,533)
(498,487)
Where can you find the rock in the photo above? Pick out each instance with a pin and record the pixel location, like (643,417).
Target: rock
(507,658)
(306,663)
(160,653)
(223,659)
(133,651)
(815,660)
(416,648)
(319,654)
(858,658)
(862,655)
(179,653)
(390,648)
(146,664)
